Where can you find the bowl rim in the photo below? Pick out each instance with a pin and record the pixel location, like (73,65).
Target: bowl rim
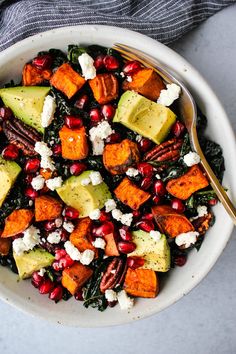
(185,69)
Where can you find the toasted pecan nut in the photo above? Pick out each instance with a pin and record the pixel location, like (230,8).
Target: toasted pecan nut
(203,223)
(114,274)
(167,151)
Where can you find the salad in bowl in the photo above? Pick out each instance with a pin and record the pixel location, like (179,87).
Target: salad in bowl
(100,192)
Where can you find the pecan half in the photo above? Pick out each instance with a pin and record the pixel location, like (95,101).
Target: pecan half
(21,135)
(203,223)
(167,151)
(114,274)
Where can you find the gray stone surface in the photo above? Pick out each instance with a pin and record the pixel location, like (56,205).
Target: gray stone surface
(203,321)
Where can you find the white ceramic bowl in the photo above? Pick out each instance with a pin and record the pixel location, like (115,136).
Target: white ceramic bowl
(180,280)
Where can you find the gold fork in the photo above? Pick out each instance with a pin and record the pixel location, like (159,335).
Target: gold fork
(189,115)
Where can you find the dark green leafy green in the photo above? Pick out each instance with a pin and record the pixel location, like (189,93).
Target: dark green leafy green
(174,172)
(74,51)
(199,198)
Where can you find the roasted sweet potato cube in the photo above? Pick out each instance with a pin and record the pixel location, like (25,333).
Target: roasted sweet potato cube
(141,283)
(67,80)
(184,186)
(105,87)
(146,82)
(47,208)
(17,222)
(31,76)
(81,236)
(5,245)
(117,158)
(74,143)
(75,277)
(128,193)
(111,246)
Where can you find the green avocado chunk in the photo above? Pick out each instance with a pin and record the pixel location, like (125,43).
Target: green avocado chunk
(151,120)
(29,262)
(26,102)
(9,170)
(155,253)
(84,198)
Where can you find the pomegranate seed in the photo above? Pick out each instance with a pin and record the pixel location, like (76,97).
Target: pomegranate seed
(60,253)
(65,262)
(98,62)
(57,150)
(36,279)
(180,260)
(159,188)
(73,122)
(145,225)
(113,138)
(148,216)
(126,247)
(79,295)
(71,213)
(28,179)
(136,214)
(146,183)
(42,62)
(5,113)
(56,267)
(104,216)
(31,193)
(10,152)
(110,62)
(213,201)
(82,102)
(56,294)
(135,262)
(49,225)
(105,229)
(32,165)
(131,67)
(145,169)
(108,111)
(156,199)
(64,235)
(95,115)
(178,129)
(46,287)
(145,144)
(77,168)
(125,234)
(177,205)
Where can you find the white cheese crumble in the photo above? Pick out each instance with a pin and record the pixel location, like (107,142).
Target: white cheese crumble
(201,211)
(95,214)
(85,181)
(126,219)
(122,74)
(110,295)
(49,108)
(98,146)
(54,237)
(156,235)
(47,163)
(72,251)
(38,182)
(45,152)
(125,302)
(86,63)
(68,226)
(41,272)
(110,205)
(132,172)
(95,178)
(129,78)
(186,239)
(192,158)
(116,214)
(87,257)
(27,242)
(169,95)
(54,183)
(102,131)
(99,243)
(58,222)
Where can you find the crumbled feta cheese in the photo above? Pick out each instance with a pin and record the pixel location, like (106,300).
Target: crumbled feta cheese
(129,78)
(47,163)
(54,183)
(54,237)
(87,257)
(126,219)
(169,95)
(98,146)
(132,172)
(58,222)
(72,251)
(68,226)
(122,74)
(28,241)
(41,272)
(157,176)
(86,63)
(42,149)
(192,158)
(110,205)
(102,131)
(18,246)
(49,107)
(110,295)
(116,214)
(95,178)
(38,182)
(125,302)
(202,210)
(85,181)
(95,214)
(156,235)
(138,138)
(186,239)
(99,243)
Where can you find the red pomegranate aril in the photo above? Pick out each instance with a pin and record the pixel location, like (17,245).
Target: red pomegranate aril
(148,216)
(60,253)
(57,150)
(146,183)
(125,234)
(111,63)
(177,205)
(213,201)
(37,279)
(28,178)
(49,225)
(111,303)
(131,67)
(79,295)
(159,188)
(126,246)
(82,102)
(180,260)
(178,129)
(64,235)
(10,152)
(144,144)
(104,216)
(145,225)
(73,122)
(95,115)
(135,262)
(98,62)
(106,228)
(55,266)
(32,165)
(113,138)
(71,213)
(156,199)
(145,169)
(136,214)
(46,287)
(108,111)
(77,168)
(56,294)
(65,262)
(31,193)
(42,62)
(5,113)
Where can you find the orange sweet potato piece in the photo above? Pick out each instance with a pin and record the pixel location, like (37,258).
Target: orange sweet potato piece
(146,82)
(75,277)
(74,143)
(141,283)
(5,245)
(66,80)
(81,236)
(47,208)
(184,186)
(111,246)
(105,88)
(117,158)
(128,193)
(32,76)
(170,222)
(17,222)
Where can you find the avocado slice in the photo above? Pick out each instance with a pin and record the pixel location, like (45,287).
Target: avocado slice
(145,117)
(26,102)
(30,262)
(83,198)
(155,253)
(9,170)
